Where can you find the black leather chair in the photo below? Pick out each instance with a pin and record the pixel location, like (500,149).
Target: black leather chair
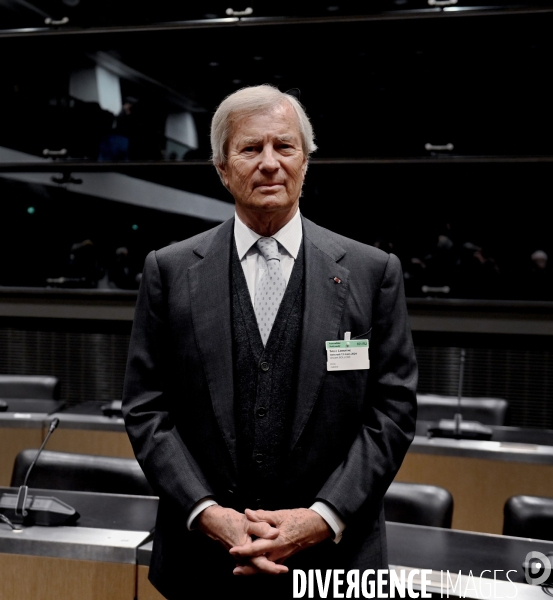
(418,504)
(489,411)
(33,387)
(81,473)
(528,516)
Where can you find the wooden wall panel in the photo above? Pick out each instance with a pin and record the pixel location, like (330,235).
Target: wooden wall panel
(44,578)
(87,441)
(145,590)
(12,441)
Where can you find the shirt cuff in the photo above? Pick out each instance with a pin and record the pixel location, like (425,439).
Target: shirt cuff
(200,506)
(332,518)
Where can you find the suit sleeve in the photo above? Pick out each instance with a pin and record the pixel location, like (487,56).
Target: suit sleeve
(390,407)
(162,454)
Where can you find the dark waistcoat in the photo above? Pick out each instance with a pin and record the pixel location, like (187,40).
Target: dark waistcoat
(265,384)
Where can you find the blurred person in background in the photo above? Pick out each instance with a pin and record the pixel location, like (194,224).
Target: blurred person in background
(539,278)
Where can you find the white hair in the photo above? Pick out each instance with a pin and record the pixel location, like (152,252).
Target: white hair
(250,100)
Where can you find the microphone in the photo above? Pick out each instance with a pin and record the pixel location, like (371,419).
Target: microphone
(458,416)
(457,428)
(20,505)
(39,510)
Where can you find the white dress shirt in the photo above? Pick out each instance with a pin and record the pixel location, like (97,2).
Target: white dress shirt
(289,240)
(252,261)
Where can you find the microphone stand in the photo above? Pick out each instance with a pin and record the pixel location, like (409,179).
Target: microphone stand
(21,502)
(458,417)
(36,510)
(456,428)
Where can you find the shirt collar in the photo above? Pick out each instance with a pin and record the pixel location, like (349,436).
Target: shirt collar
(289,236)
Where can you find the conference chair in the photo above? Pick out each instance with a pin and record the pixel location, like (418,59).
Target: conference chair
(528,516)
(418,504)
(81,473)
(489,411)
(32,387)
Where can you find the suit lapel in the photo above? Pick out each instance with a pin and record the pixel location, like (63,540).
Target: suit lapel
(209,281)
(324,302)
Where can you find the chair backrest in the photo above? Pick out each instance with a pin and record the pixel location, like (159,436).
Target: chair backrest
(418,504)
(528,516)
(489,411)
(34,387)
(81,472)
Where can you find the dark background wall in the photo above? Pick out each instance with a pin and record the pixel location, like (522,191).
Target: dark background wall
(435,136)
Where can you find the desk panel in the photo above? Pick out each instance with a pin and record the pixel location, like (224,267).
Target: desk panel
(95,559)
(480,487)
(447,549)
(12,441)
(144,589)
(443,551)
(89,441)
(89,433)
(45,578)
(103,521)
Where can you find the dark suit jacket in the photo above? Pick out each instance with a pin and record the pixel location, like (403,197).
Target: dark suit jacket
(350,431)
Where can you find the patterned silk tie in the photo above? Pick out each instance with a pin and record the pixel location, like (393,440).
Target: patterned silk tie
(270,289)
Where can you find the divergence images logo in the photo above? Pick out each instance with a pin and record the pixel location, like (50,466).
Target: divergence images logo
(537,568)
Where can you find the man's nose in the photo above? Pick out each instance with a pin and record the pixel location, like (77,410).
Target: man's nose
(269,161)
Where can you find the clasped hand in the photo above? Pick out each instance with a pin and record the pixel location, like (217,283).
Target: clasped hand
(278,535)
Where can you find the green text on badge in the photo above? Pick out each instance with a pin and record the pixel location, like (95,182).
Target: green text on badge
(347,344)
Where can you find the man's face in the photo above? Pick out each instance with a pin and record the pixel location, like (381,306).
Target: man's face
(266,164)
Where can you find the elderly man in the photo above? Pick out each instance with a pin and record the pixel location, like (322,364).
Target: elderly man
(250,399)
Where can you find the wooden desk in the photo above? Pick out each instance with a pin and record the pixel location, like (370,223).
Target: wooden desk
(18,431)
(47,578)
(144,589)
(95,559)
(481,476)
(418,547)
(475,554)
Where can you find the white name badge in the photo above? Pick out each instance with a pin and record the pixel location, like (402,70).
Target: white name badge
(347,355)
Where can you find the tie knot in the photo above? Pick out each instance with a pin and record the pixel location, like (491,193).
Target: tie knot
(268,247)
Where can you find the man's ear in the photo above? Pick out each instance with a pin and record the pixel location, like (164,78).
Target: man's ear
(223,174)
(304,166)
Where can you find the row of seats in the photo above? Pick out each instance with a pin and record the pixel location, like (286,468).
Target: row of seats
(489,411)
(411,503)
(404,502)
(32,387)
(418,504)
(431,407)
(81,473)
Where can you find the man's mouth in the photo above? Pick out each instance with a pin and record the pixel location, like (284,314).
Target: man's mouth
(268,185)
